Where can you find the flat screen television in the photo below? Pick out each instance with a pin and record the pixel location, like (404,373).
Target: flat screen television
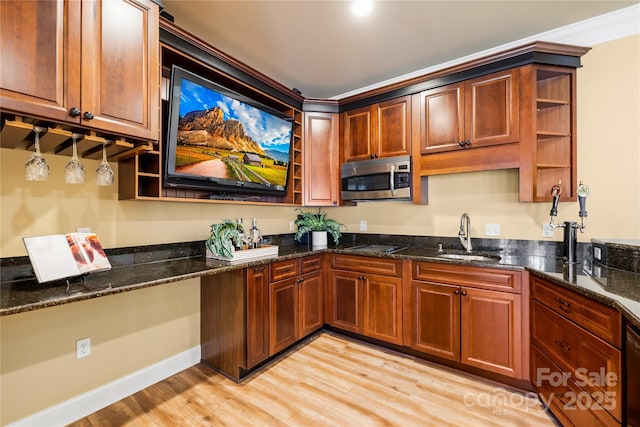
(223,142)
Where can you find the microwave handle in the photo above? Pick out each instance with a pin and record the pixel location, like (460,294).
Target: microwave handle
(392,179)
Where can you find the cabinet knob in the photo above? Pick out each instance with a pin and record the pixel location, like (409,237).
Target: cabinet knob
(563,345)
(456,292)
(74,112)
(468,142)
(371,156)
(461,143)
(88,115)
(335,202)
(463,293)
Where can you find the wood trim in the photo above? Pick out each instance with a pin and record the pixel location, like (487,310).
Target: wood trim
(196,47)
(539,51)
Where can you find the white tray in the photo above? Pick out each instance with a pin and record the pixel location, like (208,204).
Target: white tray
(264,251)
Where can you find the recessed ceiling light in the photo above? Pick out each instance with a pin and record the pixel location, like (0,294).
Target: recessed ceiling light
(361,7)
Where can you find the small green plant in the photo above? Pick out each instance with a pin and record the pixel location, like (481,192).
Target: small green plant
(221,238)
(310,221)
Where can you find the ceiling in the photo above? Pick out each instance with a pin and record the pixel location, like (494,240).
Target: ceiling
(322,49)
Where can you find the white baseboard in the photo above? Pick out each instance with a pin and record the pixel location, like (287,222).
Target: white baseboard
(87,403)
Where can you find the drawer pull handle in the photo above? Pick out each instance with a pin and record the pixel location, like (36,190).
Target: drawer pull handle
(284,270)
(563,345)
(564,305)
(258,269)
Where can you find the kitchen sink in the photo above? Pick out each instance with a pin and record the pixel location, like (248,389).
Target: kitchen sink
(471,257)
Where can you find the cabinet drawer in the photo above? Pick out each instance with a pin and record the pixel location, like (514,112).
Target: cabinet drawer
(566,399)
(461,275)
(310,263)
(592,363)
(365,264)
(597,318)
(284,269)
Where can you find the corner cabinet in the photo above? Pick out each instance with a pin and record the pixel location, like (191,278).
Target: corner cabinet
(63,61)
(379,130)
(321,183)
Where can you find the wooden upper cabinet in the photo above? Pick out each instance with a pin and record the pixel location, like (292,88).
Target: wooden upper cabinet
(120,81)
(34,36)
(91,63)
(475,113)
(321,160)
(379,130)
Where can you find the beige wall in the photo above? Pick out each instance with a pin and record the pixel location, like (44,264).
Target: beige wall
(128,331)
(38,347)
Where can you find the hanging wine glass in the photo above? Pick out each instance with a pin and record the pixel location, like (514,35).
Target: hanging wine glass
(36,167)
(74,171)
(104,173)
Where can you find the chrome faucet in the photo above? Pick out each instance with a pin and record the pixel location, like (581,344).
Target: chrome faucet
(465,232)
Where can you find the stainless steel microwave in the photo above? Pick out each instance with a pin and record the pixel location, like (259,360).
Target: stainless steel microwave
(376,179)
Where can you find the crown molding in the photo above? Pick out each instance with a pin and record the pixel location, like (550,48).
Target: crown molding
(600,29)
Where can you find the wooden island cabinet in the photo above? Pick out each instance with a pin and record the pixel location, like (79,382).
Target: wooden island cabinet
(63,61)
(249,315)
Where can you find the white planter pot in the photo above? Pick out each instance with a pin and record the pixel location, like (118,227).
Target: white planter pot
(319,239)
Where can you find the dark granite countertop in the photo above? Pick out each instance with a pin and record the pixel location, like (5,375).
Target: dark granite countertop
(616,288)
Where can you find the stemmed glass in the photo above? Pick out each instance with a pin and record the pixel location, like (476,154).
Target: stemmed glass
(74,171)
(104,173)
(36,167)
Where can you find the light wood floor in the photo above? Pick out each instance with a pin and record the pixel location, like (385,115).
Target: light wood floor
(331,381)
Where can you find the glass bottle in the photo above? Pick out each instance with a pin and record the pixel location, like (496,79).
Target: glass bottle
(256,236)
(241,240)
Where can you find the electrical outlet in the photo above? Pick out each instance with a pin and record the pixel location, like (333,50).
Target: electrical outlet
(83,230)
(492,229)
(547,230)
(83,348)
(291,226)
(363,225)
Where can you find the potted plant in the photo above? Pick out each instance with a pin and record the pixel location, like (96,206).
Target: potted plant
(222,237)
(319,226)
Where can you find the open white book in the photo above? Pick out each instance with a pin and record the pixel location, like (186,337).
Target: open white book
(65,255)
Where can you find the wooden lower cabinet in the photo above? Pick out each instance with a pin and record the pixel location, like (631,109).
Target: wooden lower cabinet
(478,327)
(577,363)
(491,331)
(366,303)
(435,319)
(296,304)
(257,315)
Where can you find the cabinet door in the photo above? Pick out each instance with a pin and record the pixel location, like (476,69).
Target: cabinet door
(283,314)
(441,119)
(40,66)
(491,331)
(435,319)
(345,295)
(257,315)
(120,81)
(321,163)
(393,130)
(383,308)
(357,139)
(310,303)
(492,109)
